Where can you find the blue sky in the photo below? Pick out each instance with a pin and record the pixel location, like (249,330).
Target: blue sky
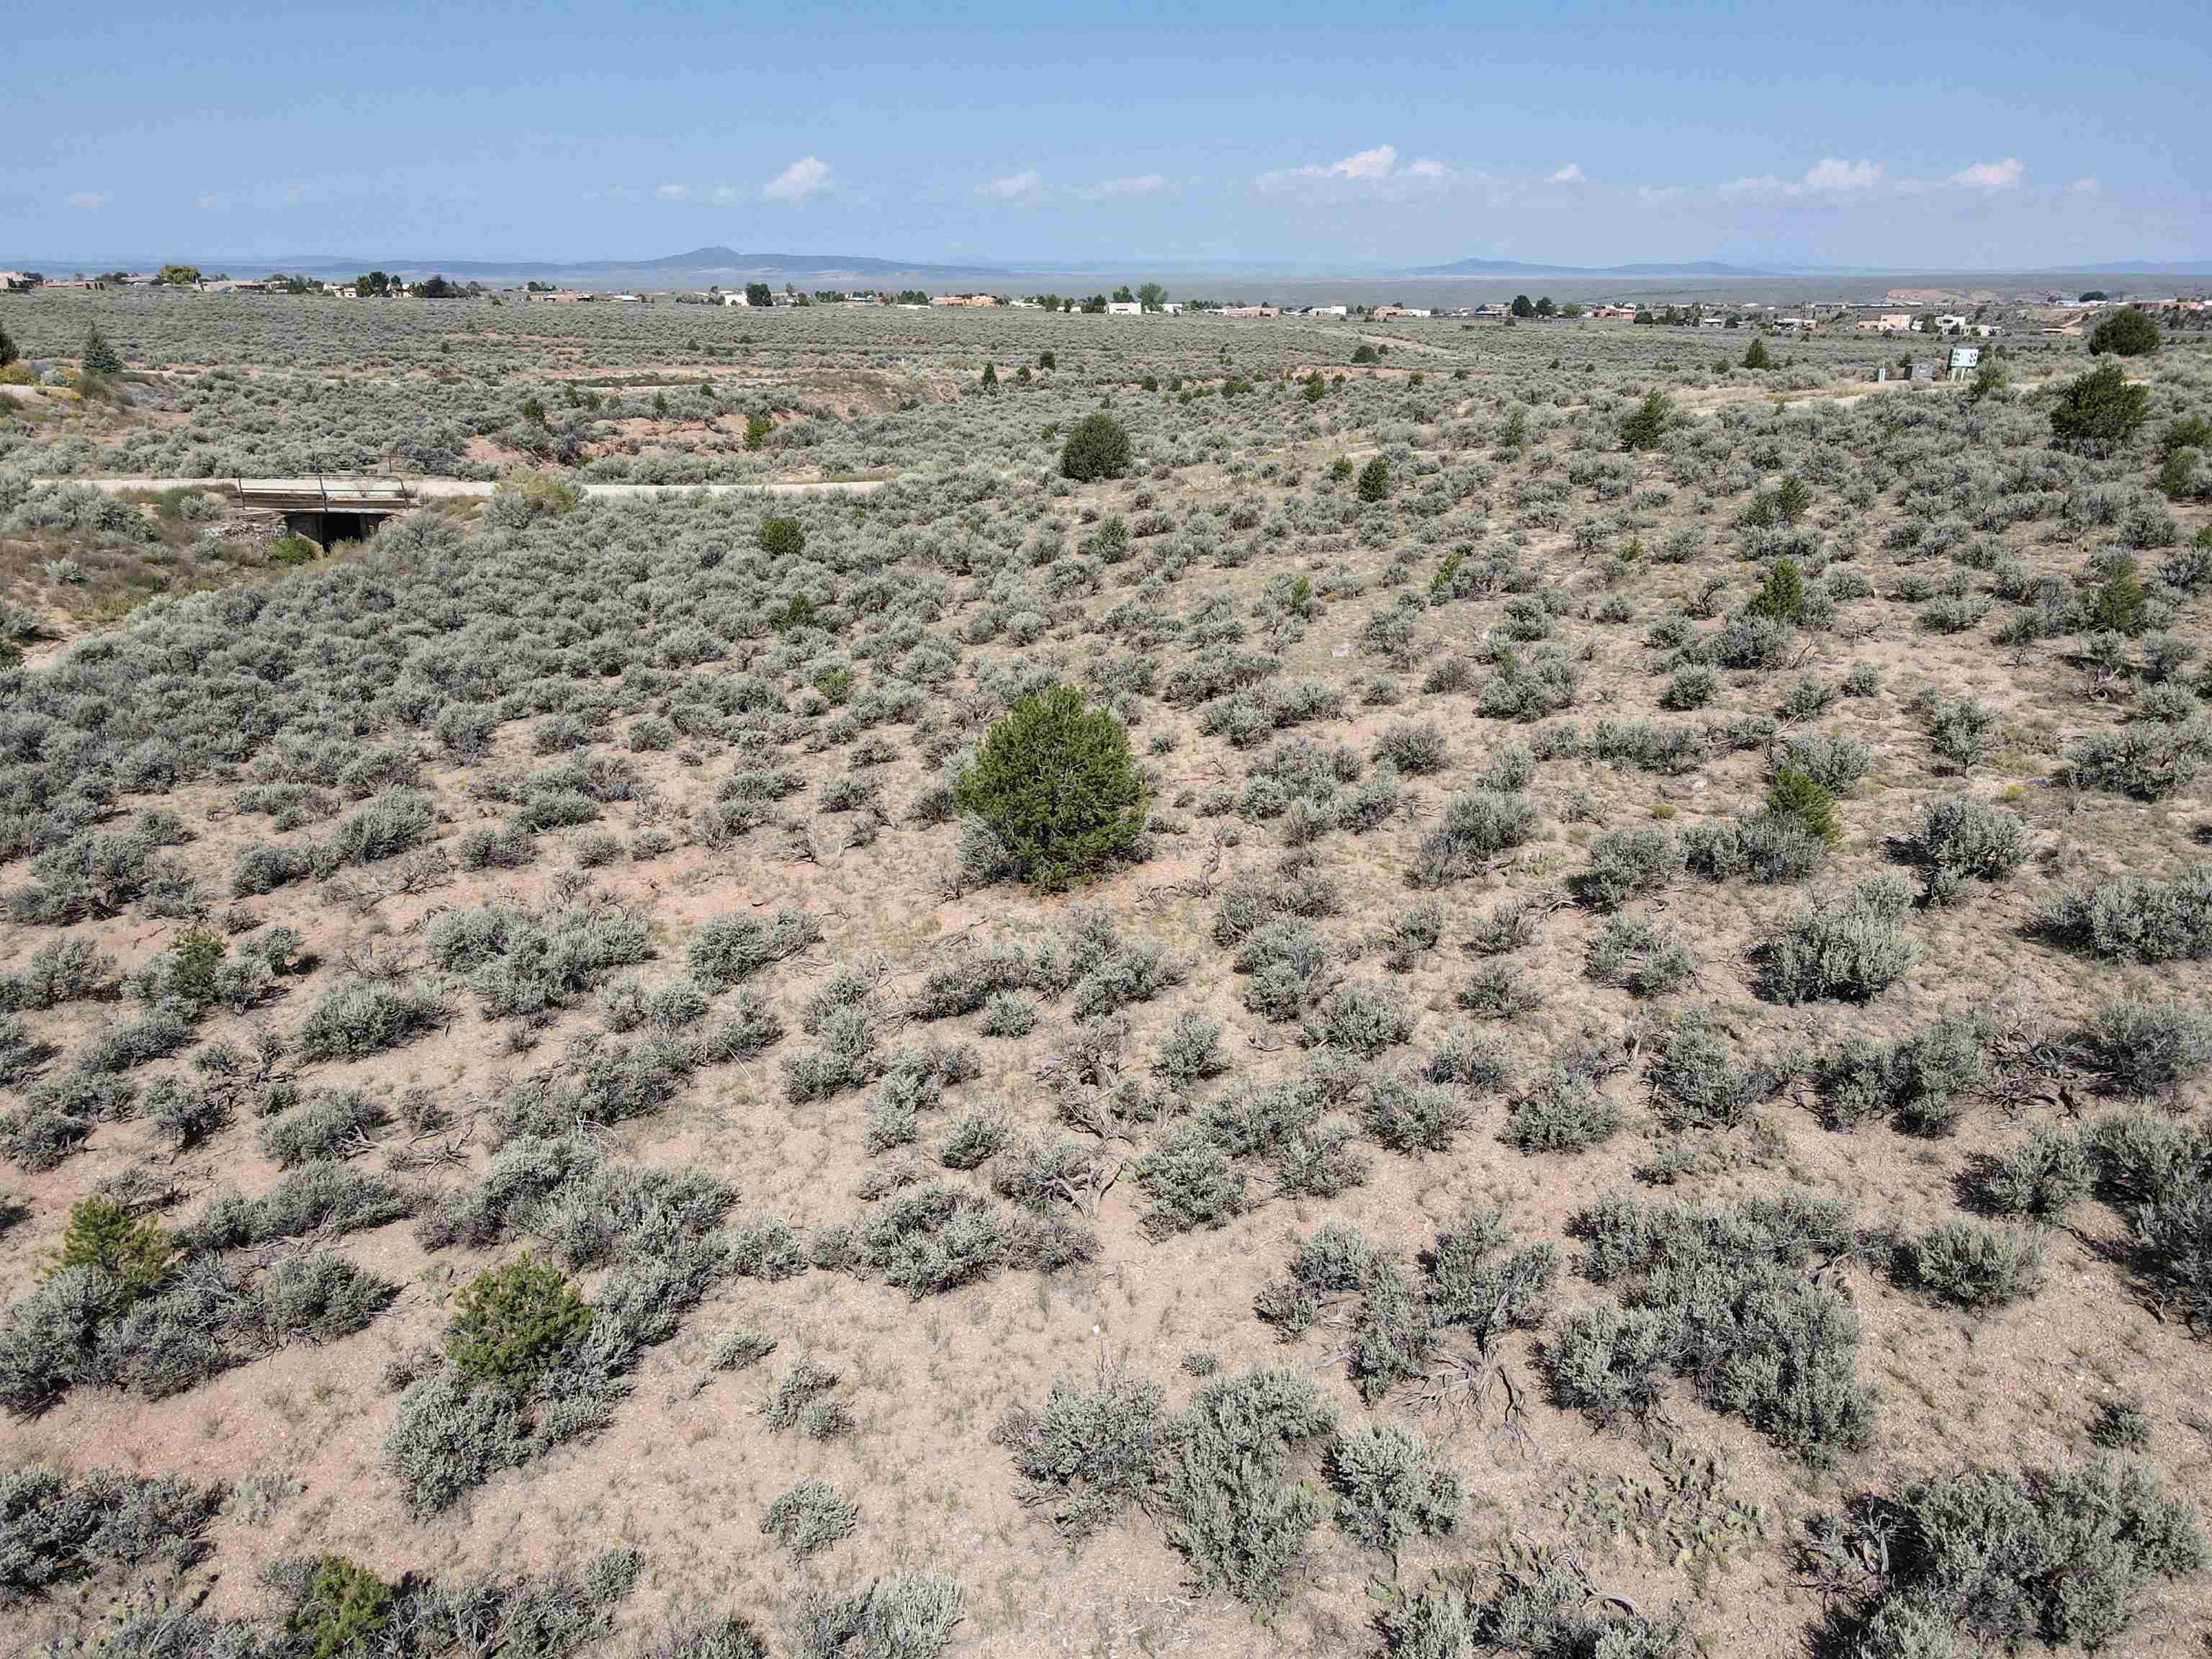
(1938,136)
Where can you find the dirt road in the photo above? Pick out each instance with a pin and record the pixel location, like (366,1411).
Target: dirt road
(431,487)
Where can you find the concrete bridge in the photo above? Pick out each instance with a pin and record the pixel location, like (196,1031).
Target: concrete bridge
(328,510)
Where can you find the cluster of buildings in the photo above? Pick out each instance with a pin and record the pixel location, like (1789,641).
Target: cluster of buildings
(1903,322)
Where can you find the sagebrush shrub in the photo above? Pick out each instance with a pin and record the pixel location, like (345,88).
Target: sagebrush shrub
(2043,1176)
(809,1518)
(1848,946)
(1391,1486)
(725,951)
(1627,864)
(1190,1181)
(2142,920)
(1566,1111)
(1722,1295)
(1226,1501)
(900,1615)
(1976,1267)
(1959,833)
(1091,1452)
(53,1528)
(1981,1555)
(1477,826)
(2143,1048)
(1640,957)
(365,1016)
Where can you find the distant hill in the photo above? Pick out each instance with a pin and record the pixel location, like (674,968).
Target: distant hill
(729,267)
(705,263)
(2134,268)
(1497,267)
(702,264)
(795,264)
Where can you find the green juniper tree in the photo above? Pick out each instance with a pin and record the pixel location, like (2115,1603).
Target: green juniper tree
(1097,448)
(1644,428)
(1056,784)
(99,358)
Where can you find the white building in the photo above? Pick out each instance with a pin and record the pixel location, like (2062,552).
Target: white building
(737,299)
(1124,308)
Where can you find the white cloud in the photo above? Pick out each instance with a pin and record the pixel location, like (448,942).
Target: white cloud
(1143,184)
(1659,195)
(801,179)
(1374,163)
(2084,187)
(86,201)
(673,192)
(1570,175)
(1835,179)
(1990,175)
(209,201)
(1826,177)
(1365,169)
(1015,186)
(1831,176)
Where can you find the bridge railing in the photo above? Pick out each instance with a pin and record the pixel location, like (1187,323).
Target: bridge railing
(331,490)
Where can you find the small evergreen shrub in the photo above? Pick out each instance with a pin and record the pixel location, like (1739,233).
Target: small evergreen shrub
(104,1234)
(1056,785)
(511,1321)
(1097,447)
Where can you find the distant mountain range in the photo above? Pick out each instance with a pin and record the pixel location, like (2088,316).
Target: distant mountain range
(1514,267)
(704,262)
(700,266)
(1715,268)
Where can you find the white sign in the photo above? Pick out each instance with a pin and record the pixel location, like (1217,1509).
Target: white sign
(1965,356)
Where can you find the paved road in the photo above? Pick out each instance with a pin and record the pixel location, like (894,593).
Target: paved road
(426,486)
